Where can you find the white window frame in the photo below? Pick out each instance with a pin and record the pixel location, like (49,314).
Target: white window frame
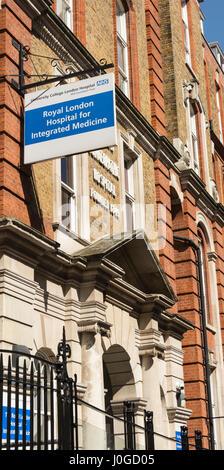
(204,284)
(194,140)
(202,19)
(122,43)
(70,187)
(134,193)
(65,10)
(129,193)
(219,112)
(200,244)
(187,46)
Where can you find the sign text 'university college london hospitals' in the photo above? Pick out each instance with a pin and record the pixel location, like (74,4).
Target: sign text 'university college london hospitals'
(73,118)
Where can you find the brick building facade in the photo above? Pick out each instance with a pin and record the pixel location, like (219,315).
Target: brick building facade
(126,283)
(193,87)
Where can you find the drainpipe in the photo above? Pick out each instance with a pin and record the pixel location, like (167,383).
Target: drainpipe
(191,243)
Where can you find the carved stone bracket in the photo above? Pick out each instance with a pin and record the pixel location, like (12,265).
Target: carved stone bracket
(191,91)
(94,327)
(212,361)
(178,414)
(118,406)
(149,343)
(214,190)
(184,162)
(212,256)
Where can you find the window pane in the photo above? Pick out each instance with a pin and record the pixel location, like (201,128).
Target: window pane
(122,48)
(126,175)
(219,114)
(64,170)
(67,171)
(186,32)
(123,84)
(129,208)
(121,20)
(129,177)
(64,11)
(205,275)
(66,208)
(195,154)
(120,53)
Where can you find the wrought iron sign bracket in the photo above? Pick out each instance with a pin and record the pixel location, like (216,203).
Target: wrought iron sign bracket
(24,53)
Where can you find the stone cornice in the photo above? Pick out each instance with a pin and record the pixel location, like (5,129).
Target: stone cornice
(174,354)
(131,299)
(191,182)
(113,300)
(25,243)
(35,249)
(92,311)
(157,303)
(174,325)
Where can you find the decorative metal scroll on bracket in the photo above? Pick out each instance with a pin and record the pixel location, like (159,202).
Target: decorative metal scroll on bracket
(70,68)
(24,54)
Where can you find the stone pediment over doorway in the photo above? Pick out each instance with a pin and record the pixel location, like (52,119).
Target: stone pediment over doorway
(137,263)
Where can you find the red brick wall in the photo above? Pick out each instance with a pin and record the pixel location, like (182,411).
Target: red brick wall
(166,253)
(155,66)
(79,24)
(17,190)
(179,262)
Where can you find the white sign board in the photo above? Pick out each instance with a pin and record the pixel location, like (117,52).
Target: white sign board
(70,119)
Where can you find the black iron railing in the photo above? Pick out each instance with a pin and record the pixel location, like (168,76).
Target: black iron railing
(39,410)
(27,403)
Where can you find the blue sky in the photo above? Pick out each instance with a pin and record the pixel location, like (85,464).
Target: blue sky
(214,21)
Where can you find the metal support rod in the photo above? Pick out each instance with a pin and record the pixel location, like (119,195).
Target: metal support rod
(97,68)
(149,431)
(76,426)
(24,53)
(129,426)
(191,243)
(21,69)
(198,440)
(184,438)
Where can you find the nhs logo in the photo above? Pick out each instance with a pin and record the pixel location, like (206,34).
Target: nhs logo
(102,82)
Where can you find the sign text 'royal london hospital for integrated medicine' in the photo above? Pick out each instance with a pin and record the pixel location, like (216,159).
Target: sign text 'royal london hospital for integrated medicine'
(70,119)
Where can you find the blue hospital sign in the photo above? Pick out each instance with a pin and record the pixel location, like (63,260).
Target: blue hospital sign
(12,426)
(178,440)
(70,119)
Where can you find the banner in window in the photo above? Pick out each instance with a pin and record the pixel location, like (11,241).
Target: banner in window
(70,119)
